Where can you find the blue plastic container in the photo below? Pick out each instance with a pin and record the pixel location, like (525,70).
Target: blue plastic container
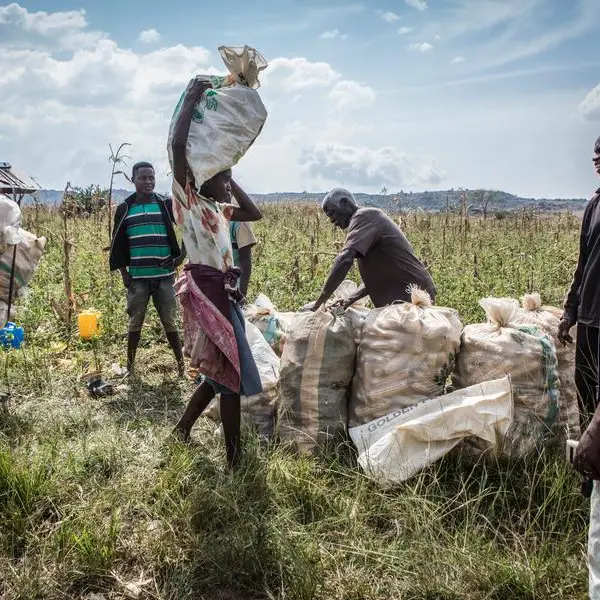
(11,336)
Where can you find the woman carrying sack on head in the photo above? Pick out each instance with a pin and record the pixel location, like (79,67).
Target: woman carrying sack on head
(214,330)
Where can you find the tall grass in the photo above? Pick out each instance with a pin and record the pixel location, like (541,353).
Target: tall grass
(95,499)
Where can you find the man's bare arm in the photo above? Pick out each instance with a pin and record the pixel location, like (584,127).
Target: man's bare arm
(343,264)
(587,454)
(360,293)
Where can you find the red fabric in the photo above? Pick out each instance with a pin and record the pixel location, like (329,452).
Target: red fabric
(209,338)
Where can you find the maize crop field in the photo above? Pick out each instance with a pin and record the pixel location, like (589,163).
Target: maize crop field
(97,502)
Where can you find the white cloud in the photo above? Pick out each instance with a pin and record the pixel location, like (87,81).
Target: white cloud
(590,107)
(333,34)
(149,36)
(421,47)
(62,29)
(404,30)
(361,165)
(458,59)
(351,94)
(390,17)
(42,22)
(82,100)
(418,4)
(293,74)
(106,73)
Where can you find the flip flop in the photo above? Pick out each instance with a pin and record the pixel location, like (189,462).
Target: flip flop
(99,388)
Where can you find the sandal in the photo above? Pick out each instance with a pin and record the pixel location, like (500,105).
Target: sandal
(99,388)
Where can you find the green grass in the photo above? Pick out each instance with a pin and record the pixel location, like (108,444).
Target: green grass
(94,499)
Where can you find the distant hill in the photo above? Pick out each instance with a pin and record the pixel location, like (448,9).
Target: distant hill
(478,200)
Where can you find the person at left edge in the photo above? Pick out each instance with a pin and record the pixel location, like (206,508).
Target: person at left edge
(145,250)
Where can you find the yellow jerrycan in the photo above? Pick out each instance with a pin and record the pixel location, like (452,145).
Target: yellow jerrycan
(88,322)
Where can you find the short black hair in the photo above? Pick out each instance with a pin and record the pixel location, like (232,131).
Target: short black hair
(140,165)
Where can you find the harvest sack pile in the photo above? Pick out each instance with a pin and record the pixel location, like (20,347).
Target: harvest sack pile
(381,377)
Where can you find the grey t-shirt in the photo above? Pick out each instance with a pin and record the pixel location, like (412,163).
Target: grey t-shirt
(386,260)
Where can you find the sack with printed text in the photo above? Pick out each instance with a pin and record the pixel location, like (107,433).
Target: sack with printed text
(396,446)
(228,117)
(406,354)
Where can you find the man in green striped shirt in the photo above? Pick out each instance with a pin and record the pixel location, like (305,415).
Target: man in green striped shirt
(148,244)
(145,249)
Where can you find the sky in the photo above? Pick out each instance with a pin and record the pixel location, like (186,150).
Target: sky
(404,94)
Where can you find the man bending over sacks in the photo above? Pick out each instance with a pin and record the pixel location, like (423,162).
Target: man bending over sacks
(386,261)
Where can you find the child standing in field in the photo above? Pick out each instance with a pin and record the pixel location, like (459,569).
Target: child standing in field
(215,337)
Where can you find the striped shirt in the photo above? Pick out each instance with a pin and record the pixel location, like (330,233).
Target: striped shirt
(148,241)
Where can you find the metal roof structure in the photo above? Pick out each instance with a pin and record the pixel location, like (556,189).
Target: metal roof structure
(13,185)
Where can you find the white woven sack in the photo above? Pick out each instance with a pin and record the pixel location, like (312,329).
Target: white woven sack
(405,355)
(534,312)
(28,256)
(227,119)
(10,222)
(502,347)
(396,446)
(316,372)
